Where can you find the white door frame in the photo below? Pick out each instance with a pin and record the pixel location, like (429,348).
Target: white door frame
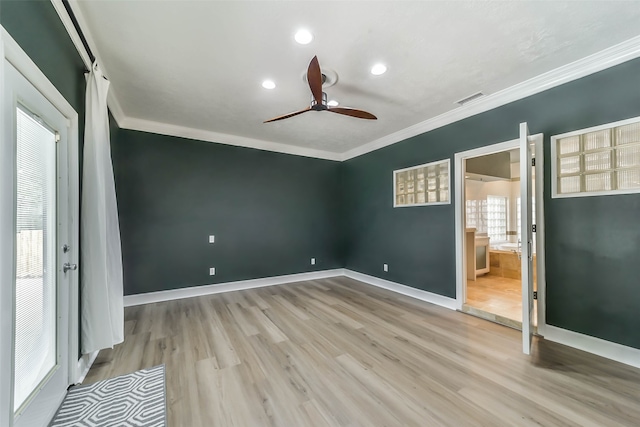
(13,53)
(459,197)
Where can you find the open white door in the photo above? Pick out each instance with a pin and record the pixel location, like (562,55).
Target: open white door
(526,195)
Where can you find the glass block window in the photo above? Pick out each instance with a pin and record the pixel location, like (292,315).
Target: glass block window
(603,160)
(497,218)
(422,185)
(477,215)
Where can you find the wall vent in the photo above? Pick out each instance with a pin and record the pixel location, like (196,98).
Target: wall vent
(470,98)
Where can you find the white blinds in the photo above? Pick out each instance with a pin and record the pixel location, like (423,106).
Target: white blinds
(35,327)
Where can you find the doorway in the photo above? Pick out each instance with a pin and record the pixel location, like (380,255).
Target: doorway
(38,242)
(499,239)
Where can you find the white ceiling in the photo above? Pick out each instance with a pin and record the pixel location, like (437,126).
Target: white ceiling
(199,65)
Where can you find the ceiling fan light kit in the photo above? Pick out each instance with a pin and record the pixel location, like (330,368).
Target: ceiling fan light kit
(316,78)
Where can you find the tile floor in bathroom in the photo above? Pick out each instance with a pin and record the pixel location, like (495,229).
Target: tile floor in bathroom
(497,295)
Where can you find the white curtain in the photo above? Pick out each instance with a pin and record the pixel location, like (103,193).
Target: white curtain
(102,301)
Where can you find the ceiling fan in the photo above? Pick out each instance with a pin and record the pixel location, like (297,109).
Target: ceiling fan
(319,101)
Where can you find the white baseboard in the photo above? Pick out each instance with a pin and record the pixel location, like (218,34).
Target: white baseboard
(84,364)
(607,349)
(196,291)
(403,289)
(610,350)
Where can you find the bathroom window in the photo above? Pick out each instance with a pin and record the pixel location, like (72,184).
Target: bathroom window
(497,218)
(422,185)
(597,161)
(477,215)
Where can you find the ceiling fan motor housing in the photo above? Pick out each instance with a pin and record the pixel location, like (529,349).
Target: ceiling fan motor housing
(319,107)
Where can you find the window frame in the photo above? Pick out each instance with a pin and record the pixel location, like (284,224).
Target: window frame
(435,163)
(554,161)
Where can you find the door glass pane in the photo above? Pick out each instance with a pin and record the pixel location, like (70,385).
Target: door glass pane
(35,318)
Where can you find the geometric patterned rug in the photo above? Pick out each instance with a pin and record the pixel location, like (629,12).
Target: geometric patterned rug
(133,400)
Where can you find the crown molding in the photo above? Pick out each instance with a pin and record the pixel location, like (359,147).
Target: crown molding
(614,55)
(71,30)
(222,138)
(112,100)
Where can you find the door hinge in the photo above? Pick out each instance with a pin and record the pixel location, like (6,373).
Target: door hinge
(533,161)
(57,137)
(533,228)
(535,294)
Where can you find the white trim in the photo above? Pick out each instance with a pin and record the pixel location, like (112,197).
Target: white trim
(71,30)
(459,168)
(597,346)
(614,55)
(84,365)
(437,162)
(554,161)
(196,291)
(426,296)
(112,100)
(526,234)
(222,138)
(7,234)
(21,61)
(132,123)
(610,350)
(541,270)
(607,58)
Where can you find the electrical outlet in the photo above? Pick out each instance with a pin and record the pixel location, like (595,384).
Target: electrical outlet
(212,238)
(385,267)
(313,261)
(212,271)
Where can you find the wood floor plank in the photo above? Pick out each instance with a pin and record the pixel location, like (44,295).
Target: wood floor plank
(337,352)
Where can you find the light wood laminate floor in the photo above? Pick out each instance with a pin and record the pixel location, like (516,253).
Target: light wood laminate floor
(336,352)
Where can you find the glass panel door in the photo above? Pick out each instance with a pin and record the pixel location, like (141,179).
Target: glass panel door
(35,287)
(35,297)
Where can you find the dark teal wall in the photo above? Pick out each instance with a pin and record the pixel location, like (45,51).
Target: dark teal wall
(270,212)
(592,243)
(36,27)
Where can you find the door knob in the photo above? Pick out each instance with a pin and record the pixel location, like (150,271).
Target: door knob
(67,266)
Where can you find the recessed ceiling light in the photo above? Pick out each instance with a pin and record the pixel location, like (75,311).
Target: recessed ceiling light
(333,103)
(303,37)
(268,84)
(378,69)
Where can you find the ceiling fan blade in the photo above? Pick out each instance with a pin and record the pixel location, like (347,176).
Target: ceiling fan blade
(353,113)
(314,77)
(286,116)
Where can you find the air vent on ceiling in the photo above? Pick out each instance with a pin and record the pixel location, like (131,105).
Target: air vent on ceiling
(470,98)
